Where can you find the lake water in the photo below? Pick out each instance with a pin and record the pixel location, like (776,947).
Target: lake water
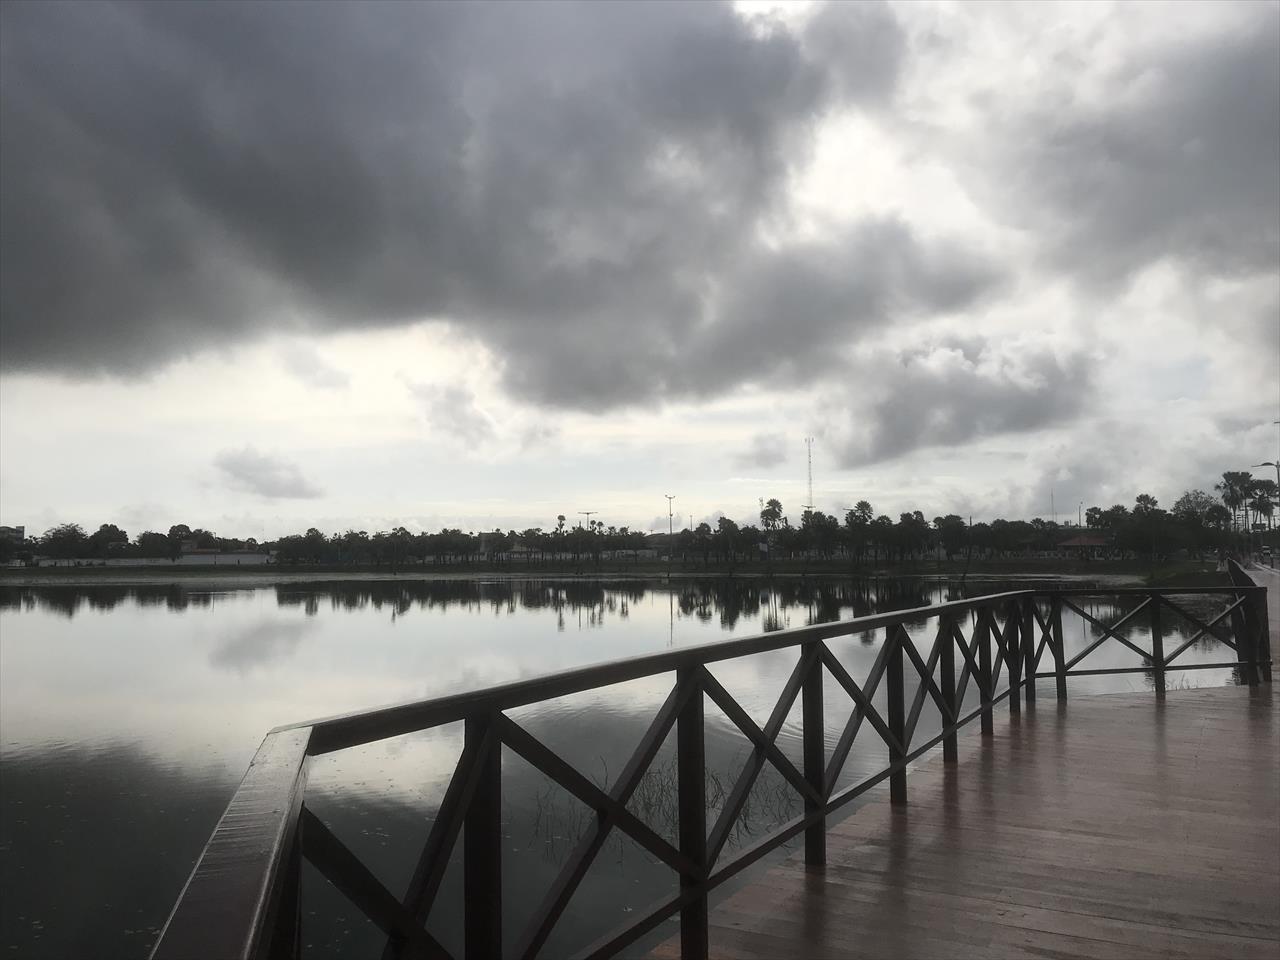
(128,714)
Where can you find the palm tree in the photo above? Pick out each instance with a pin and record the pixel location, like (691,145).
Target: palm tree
(1235,490)
(1262,507)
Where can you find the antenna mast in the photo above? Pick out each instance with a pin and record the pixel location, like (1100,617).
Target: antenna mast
(808,442)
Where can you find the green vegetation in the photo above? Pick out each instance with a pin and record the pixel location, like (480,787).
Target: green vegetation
(1199,526)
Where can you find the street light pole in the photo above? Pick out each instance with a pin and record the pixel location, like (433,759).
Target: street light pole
(671,535)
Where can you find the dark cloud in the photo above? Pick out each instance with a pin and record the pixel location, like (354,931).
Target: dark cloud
(581,187)
(863,44)
(765,450)
(946,395)
(1180,159)
(788,313)
(264,475)
(452,411)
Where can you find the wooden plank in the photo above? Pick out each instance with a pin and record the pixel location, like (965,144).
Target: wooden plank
(1120,828)
(227,904)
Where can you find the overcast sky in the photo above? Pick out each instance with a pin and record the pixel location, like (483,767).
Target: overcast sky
(270,266)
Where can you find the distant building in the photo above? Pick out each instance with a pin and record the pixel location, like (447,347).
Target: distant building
(1087,545)
(13,534)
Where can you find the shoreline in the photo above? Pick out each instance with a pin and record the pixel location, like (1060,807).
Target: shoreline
(1186,573)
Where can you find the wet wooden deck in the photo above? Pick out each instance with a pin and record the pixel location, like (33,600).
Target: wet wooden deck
(1114,827)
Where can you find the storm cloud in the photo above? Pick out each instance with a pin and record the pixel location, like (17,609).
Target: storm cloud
(569,183)
(623,204)
(953,392)
(1172,153)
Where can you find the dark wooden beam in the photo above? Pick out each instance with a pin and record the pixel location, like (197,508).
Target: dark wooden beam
(815,756)
(357,883)
(1108,632)
(861,708)
(227,905)
(482,846)
(691,790)
(895,697)
(563,773)
(737,797)
(1230,610)
(947,639)
(584,853)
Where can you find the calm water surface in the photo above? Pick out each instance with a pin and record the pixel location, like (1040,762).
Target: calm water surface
(129,713)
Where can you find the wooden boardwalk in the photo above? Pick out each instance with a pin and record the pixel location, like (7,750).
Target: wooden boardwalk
(1114,827)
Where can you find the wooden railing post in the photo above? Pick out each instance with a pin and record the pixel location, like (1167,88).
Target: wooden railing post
(947,665)
(1246,652)
(1157,646)
(691,788)
(482,850)
(1029,648)
(1059,648)
(896,697)
(1013,653)
(985,686)
(815,760)
(1262,648)
(286,937)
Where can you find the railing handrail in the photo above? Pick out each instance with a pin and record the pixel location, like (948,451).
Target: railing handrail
(235,892)
(365,726)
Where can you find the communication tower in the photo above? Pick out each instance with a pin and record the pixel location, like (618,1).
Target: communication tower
(808,442)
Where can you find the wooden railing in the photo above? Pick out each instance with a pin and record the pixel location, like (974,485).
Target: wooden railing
(243,897)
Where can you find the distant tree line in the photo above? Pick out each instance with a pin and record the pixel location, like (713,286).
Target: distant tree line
(1198,522)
